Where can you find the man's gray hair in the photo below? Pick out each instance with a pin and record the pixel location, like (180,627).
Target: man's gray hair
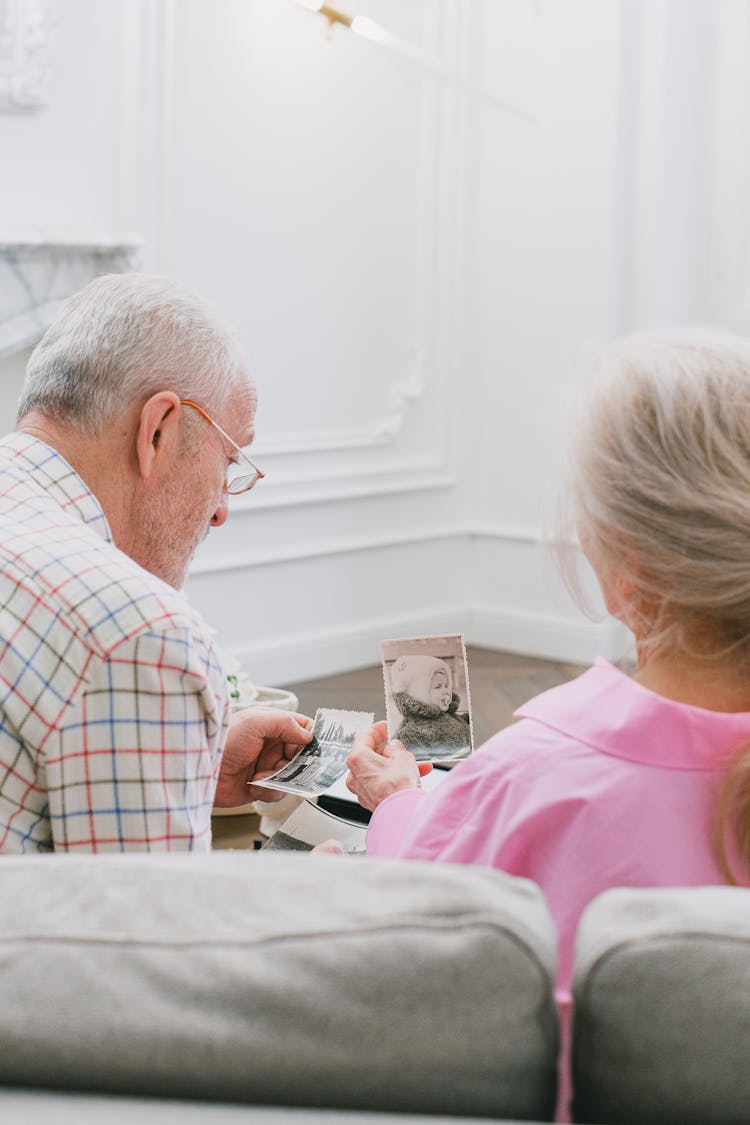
(122,338)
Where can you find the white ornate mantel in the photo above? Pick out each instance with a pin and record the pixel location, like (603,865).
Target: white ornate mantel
(39,269)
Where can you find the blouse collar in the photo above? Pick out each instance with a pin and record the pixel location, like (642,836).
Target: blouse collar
(611,712)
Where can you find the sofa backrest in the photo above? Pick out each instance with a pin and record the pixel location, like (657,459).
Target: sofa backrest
(661,1030)
(279,979)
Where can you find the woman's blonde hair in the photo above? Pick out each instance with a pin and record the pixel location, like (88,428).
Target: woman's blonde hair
(659,481)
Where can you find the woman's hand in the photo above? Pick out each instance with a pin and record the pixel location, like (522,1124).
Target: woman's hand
(378,768)
(329,847)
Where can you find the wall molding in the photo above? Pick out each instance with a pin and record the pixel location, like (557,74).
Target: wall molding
(404,391)
(289,493)
(247,559)
(400,396)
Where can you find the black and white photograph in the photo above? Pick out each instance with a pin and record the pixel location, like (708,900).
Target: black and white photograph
(428,705)
(322,762)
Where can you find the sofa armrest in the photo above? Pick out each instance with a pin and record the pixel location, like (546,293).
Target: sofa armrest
(661,1031)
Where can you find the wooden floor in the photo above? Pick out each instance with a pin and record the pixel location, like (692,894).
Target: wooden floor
(499,683)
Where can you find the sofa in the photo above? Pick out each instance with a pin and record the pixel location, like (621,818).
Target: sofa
(280,989)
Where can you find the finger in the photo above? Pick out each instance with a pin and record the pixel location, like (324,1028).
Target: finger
(362,758)
(262,793)
(261,775)
(353,784)
(271,757)
(379,732)
(394,749)
(371,738)
(270,722)
(303,720)
(299,727)
(329,847)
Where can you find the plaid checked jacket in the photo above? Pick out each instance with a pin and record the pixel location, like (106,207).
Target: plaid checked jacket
(113,696)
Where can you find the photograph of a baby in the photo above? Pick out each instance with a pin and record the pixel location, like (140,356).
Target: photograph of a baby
(427,696)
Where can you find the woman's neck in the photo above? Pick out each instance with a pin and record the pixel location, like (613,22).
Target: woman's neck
(719,683)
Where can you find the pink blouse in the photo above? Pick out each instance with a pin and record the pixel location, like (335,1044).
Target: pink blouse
(602,783)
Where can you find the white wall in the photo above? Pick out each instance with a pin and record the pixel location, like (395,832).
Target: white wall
(418,258)
(61,164)
(546,225)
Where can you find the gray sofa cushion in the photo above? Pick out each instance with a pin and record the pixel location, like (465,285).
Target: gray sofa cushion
(662,1008)
(288,980)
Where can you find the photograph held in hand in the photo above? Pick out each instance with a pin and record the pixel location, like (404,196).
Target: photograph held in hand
(322,762)
(428,706)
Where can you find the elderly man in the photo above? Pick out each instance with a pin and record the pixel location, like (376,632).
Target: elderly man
(115,734)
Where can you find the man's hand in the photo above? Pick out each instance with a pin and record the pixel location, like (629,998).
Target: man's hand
(378,768)
(260,740)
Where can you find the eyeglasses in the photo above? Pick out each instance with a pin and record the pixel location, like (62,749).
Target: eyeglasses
(241,481)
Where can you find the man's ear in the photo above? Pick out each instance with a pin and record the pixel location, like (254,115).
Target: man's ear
(157,436)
